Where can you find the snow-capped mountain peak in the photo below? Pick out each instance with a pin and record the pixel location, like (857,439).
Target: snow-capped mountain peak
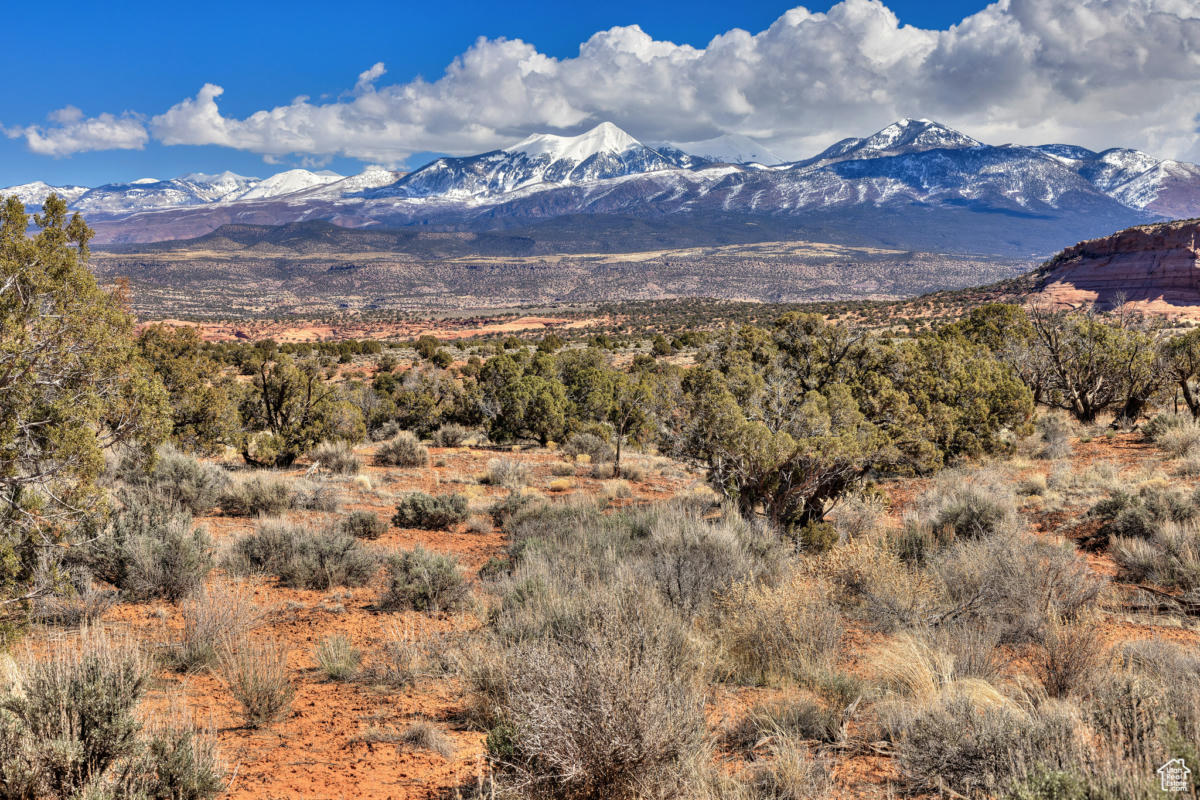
(604,138)
(221,186)
(293,180)
(34,194)
(899,138)
(543,159)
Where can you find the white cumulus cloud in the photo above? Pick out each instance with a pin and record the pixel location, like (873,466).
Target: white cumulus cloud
(1099,73)
(71,133)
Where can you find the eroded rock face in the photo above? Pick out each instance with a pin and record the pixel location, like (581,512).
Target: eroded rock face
(1156,267)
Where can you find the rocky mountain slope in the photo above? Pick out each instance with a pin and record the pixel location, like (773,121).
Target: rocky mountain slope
(915,184)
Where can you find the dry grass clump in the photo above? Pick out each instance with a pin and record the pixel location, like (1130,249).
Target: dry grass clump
(1054,432)
(311,496)
(214,618)
(256,495)
(562,469)
(426,736)
(507,472)
(802,718)
(337,457)
(791,772)
(403,450)
(616,489)
(789,632)
(301,557)
(858,515)
(421,580)
(256,674)
(337,657)
(407,657)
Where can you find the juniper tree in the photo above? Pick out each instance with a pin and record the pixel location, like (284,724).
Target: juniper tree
(71,385)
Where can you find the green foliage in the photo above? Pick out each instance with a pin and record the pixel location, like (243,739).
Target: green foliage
(789,419)
(289,409)
(204,413)
(425,511)
(72,384)
(423,581)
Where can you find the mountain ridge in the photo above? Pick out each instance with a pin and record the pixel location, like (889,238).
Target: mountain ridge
(877,179)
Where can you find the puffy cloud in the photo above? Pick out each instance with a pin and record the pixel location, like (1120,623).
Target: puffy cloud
(72,133)
(1094,72)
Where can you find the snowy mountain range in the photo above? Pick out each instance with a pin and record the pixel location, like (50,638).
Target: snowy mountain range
(916,183)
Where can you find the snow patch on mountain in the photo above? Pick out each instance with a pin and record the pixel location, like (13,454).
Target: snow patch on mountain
(730,148)
(34,194)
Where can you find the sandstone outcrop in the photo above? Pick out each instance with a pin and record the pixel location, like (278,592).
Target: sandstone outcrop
(1156,267)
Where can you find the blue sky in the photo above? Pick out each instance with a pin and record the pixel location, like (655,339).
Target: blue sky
(124,65)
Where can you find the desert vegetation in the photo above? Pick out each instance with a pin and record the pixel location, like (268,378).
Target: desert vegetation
(789,557)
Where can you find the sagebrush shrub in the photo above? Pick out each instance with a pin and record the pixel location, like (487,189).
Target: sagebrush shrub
(72,730)
(429,512)
(508,473)
(257,495)
(613,711)
(315,496)
(301,557)
(403,450)
(970,505)
(422,580)
(73,719)
(364,525)
(1055,433)
(588,444)
(1017,583)
(191,483)
(149,550)
(451,435)
(337,457)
